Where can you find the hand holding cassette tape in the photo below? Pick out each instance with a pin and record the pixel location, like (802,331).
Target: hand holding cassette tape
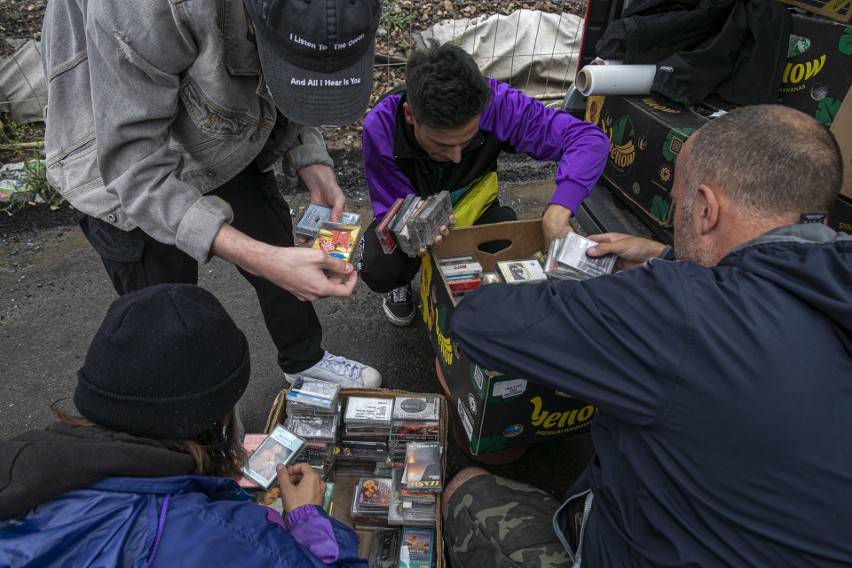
(443,231)
(300,485)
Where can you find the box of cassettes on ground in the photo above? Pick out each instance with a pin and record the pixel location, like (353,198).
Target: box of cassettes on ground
(344,485)
(497,411)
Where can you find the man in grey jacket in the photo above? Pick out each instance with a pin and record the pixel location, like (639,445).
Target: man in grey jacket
(164,120)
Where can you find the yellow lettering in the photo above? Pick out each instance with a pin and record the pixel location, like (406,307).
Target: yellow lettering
(798,72)
(586,413)
(568,417)
(545,419)
(551,420)
(443,342)
(655,105)
(537,416)
(622,156)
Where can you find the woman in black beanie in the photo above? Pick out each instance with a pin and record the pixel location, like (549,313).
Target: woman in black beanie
(145,476)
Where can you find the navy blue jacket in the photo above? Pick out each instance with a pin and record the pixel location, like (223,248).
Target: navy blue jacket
(724,430)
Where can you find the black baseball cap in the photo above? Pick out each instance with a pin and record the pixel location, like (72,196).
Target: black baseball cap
(317,56)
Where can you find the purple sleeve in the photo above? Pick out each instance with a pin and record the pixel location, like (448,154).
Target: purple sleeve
(385,181)
(327,539)
(547,134)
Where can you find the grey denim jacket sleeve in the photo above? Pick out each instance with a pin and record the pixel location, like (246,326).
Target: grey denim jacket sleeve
(154,103)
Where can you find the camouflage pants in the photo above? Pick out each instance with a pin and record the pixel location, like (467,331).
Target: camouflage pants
(493,521)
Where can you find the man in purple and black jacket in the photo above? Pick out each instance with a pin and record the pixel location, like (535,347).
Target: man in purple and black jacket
(443,131)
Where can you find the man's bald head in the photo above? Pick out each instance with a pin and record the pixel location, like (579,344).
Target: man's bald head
(770,160)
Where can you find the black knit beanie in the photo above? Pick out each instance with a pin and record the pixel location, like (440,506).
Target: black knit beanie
(167,362)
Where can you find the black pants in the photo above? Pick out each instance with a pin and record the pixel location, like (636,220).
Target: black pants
(134,260)
(385,272)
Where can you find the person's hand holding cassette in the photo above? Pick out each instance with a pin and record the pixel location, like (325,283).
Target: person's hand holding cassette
(439,238)
(300,485)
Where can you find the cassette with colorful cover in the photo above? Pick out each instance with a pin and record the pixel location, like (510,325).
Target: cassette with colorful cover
(337,240)
(372,494)
(315,215)
(417,547)
(280,447)
(423,467)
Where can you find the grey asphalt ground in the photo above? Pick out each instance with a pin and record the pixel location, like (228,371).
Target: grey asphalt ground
(54,297)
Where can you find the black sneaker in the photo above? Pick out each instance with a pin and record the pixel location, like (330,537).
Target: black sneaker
(399,306)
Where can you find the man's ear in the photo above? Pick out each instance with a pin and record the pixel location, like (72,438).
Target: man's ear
(409,116)
(707,208)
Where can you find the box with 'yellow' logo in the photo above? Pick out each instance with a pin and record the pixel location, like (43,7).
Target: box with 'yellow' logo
(818,71)
(497,412)
(645,140)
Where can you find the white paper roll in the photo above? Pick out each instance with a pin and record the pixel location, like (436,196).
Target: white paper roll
(615,79)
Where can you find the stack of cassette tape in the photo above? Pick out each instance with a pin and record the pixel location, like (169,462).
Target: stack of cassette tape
(371,500)
(413,222)
(366,427)
(313,413)
(415,419)
(462,273)
(567,259)
(409,506)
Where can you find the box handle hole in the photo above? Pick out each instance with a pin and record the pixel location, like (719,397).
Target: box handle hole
(493,247)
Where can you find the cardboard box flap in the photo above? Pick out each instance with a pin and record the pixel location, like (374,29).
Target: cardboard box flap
(524,238)
(842,130)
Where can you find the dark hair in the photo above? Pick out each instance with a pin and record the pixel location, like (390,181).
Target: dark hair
(444,87)
(218,451)
(769,159)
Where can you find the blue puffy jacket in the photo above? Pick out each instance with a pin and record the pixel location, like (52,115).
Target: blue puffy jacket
(65,504)
(206,522)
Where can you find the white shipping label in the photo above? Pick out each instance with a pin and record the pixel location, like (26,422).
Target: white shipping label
(465,420)
(507,389)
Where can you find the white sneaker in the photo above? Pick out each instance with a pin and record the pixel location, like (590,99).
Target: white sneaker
(342,371)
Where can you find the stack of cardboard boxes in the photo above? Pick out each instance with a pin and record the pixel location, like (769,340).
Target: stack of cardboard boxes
(646,137)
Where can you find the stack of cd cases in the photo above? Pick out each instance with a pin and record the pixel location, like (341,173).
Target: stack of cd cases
(413,223)
(313,413)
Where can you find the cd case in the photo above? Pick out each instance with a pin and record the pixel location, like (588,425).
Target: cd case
(281,446)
